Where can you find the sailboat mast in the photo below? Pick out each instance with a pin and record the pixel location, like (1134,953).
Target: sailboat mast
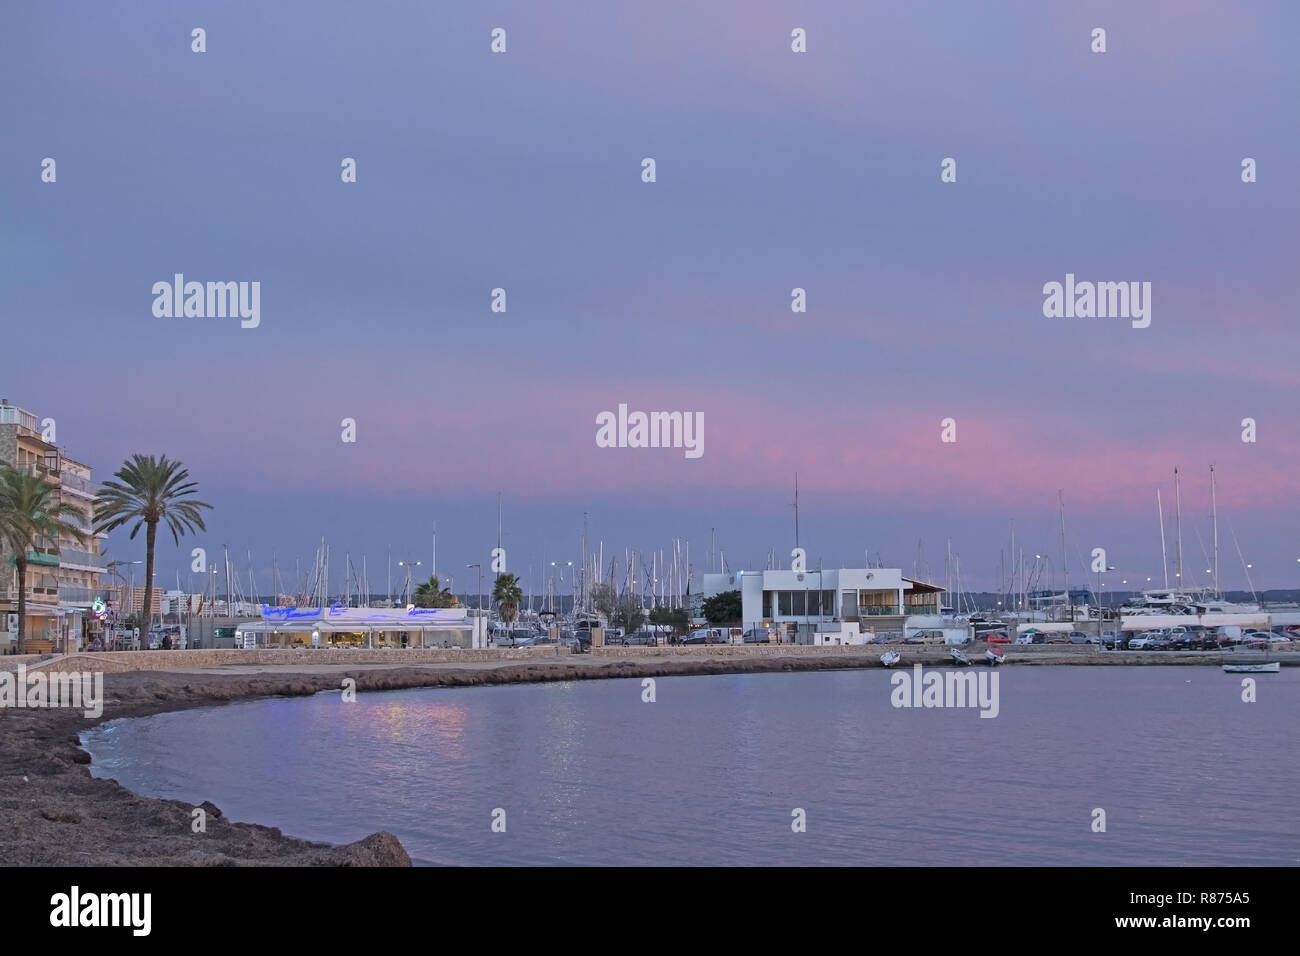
(1015,569)
(1214,511)
(1178,530)
(796,509)
(1065,563)
(1164,552)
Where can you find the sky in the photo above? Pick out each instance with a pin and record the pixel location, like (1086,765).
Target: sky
(775,170)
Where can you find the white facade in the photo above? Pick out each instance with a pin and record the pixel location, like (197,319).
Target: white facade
(831,606)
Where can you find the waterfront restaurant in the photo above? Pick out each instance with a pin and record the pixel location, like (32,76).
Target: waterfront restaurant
(340,626)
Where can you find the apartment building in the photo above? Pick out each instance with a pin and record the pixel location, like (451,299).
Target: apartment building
(63,576)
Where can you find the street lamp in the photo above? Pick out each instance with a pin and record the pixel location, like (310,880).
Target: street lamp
(480,583)
(410,594)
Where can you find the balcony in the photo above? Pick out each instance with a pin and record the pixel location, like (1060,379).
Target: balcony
(923,609)
(41,557)
(878,610)
(35,595)
(84,559)
(77,595)
(13,415)
(78,485)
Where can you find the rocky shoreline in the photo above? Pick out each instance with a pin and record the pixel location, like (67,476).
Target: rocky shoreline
(54,813)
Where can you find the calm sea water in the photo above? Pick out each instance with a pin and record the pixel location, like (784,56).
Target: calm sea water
(710,773)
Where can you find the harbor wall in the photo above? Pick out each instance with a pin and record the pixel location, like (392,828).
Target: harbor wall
(117,661)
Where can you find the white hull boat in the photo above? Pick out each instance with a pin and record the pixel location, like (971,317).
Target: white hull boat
(994,655)
(959,657)
(1270,668)
(890,658)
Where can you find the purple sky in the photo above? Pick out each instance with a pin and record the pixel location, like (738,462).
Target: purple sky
(775,170)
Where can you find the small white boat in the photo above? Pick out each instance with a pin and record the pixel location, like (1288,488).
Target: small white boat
(995,656)
(959,657)
(890,658)
(1270,668)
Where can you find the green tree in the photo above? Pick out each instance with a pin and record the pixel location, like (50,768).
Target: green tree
(150,491)
(678,618)
(26,514)
(605,600)
(433,594)
(629,616)
(508,594)
(724,608)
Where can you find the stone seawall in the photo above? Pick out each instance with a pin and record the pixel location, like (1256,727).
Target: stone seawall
(120,661)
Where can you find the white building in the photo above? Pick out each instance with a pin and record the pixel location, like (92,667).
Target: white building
(835,606)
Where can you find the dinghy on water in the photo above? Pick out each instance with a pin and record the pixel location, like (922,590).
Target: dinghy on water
(995,656)
(1272,667)
(890,658)
(959,657)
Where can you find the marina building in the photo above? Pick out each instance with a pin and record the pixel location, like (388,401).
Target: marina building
(833,606)
(63,576)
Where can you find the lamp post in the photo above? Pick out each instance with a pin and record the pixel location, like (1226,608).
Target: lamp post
(410,592)
(479,593)
(112,569)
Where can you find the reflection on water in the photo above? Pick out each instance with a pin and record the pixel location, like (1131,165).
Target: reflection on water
(709,774)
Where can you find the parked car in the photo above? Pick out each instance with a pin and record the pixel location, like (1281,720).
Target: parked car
(640,638)
(707,635)
(1109,639)
(1056,637)
(996,637)
(1279,639)
(1143,641)
(1081,637)
(1161,642)
(1024,639)
(758,635)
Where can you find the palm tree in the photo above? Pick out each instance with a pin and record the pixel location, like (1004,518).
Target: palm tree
(508,594)
(27,513)
(433,594)
(150,491)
